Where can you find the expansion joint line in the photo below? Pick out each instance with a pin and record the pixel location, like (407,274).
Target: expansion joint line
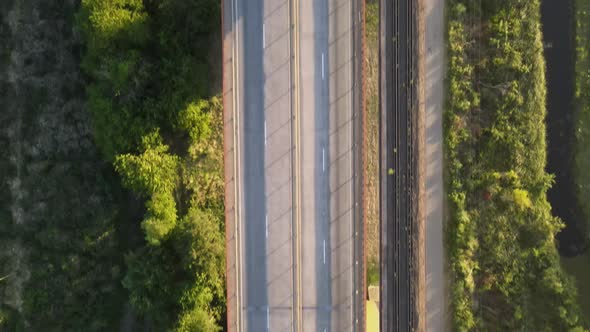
(295,167)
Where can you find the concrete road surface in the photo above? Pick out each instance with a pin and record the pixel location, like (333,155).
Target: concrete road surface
(263,292)
(265,164)
(340,142)
(434,69)
(278,134)
(326,147)
(315,271)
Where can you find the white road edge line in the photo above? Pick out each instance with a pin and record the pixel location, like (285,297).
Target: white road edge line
(264,132)
(324,251)
(267,225)
(323,66)
(236,119)
(263,36)
(267,318)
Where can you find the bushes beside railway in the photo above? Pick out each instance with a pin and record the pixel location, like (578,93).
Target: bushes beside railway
(500,233)
(582,104)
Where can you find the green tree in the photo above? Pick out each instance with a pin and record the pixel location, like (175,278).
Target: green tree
(149,78)
(199,242)
(160,218)
(154,173)
(155,170)
(183,277)
(197,320)
(116,32)
(195,119)
(151,280)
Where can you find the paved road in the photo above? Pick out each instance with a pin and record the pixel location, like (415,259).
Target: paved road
(315,272)
(341,156)
(265,200)
(278,165)
(435,278)
(266,165)
(326,176)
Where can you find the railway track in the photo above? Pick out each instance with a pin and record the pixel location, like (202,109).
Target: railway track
(398,164)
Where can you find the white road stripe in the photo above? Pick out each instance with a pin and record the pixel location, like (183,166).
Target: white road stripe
(323,66)
(324,251)
(267,318)
(263,36)
(267,226)
(323,159)
(264,132)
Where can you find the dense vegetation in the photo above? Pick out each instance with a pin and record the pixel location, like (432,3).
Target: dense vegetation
(59,251)
(111,211)
(582,102)
(579,266)
(500,235)
(147,64)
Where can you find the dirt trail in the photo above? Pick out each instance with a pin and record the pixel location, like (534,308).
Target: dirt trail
(434,75)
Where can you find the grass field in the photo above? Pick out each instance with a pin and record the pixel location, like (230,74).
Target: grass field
(372,148)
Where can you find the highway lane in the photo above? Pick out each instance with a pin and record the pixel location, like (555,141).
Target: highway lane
(278,165)
(254,295)
(314,103)
(265,164)
(326,157)
(341,157)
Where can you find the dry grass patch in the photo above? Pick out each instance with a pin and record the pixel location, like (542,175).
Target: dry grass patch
(372,141)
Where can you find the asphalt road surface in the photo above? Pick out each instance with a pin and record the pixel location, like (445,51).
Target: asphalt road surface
(281,154)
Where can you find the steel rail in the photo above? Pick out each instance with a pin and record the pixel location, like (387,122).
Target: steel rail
(398,163)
